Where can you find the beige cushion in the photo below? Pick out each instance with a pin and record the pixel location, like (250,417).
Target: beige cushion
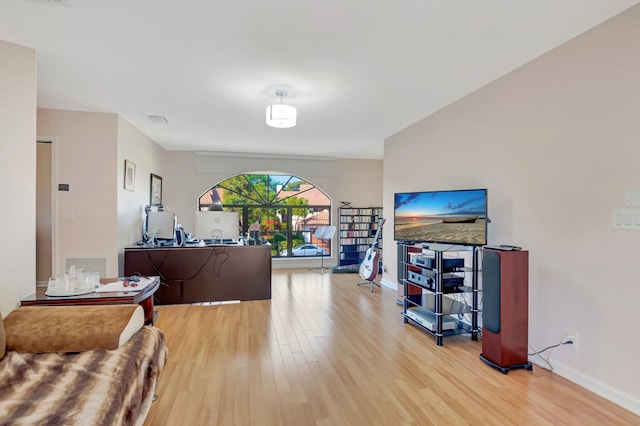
(71,328)
(3,342)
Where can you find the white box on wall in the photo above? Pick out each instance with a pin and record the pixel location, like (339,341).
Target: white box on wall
(626,219)
(632,197)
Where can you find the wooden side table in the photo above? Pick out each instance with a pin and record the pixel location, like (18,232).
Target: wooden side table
(144,298)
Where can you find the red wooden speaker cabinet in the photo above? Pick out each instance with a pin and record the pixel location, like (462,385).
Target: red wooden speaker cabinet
(505,309)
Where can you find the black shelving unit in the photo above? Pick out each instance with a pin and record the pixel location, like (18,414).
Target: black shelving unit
(432,292)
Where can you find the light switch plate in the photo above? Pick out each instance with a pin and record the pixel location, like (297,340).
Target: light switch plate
(67,216)
(626,219)
(632,197)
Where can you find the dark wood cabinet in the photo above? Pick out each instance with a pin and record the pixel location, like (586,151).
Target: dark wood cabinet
(204,274)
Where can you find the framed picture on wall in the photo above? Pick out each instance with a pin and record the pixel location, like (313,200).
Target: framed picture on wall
(129,176)
(156,190)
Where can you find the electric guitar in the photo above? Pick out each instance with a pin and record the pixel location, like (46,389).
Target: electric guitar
(369,266)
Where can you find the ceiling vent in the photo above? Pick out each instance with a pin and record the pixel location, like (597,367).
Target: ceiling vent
(158,119)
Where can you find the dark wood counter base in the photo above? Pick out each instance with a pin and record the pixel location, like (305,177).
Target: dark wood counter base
(204,274)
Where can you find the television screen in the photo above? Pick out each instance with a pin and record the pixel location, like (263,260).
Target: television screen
(217,226)
(450,217)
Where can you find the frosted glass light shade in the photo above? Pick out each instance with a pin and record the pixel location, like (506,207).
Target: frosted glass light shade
(281,116)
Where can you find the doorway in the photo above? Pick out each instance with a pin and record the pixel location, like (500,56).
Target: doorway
(44,211)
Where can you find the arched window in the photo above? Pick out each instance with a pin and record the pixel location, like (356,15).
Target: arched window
(287,210)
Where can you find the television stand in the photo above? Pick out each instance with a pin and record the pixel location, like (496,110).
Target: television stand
(430,288)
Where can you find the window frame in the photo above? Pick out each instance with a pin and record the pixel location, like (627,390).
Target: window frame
(276,208)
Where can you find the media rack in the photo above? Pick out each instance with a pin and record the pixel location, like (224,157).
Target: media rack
(440,309)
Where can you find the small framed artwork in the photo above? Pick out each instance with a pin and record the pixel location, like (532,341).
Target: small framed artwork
(129,176)
(156,190)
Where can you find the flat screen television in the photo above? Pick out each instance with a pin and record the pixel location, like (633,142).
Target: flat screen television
(216,226)
(449,217)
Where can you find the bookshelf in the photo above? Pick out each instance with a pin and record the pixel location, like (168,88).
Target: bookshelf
(356,232)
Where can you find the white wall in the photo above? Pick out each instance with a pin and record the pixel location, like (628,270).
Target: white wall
(95,144)
(556,143)
(148,157)
(86,154)
(188,175)
(18,86)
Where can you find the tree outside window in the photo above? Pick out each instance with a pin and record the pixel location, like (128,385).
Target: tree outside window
(286,208)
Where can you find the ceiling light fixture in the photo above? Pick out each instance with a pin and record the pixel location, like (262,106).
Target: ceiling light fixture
(279,115)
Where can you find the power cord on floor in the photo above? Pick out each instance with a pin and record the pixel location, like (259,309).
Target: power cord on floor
(566,341)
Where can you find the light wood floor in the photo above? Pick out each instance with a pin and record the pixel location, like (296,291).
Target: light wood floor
(324,351)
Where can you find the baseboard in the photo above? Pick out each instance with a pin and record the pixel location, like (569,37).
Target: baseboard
(385,282)
(602,389)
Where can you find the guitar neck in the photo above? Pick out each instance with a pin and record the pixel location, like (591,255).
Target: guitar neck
(376,238)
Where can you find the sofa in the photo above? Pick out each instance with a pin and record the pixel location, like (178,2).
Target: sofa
(78,365)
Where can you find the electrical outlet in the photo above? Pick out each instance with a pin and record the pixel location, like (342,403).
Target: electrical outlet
(573,336)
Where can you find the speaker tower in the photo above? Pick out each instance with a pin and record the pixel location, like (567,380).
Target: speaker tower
(505,309)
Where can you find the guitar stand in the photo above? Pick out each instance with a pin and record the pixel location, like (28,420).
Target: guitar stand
(371,283)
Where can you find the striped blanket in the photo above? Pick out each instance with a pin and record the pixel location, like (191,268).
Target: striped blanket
(99,387)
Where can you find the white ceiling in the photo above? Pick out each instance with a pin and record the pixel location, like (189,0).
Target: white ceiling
(358,71)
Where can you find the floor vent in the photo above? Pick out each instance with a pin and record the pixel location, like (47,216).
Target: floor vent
(89,264)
